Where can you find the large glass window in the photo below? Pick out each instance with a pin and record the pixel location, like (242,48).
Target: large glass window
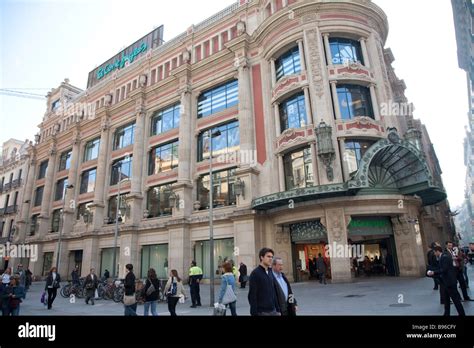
(163,158)
(345,51)
(165,119)
(298,169)
(288,63)
(65,160)
(83,209)
(156,257)
(122,168)
(218,99)
(158,201)
(223,251)
(47,262)
(61,186)
(107,260)
(123,208)
(354,151)
(34,224)
(223,189)
(91,150)
(293,112)
(227,142)
(124,136)
(88,181)
(42,169)
(39,196)
(354,101)
(55,219)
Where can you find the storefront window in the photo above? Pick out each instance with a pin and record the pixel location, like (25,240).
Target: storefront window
(107,260)
(223,189)
(155,256)
(223,251)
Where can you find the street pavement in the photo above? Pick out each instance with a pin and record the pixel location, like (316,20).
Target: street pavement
(365,296)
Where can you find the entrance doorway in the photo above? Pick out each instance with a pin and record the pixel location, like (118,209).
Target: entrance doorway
(379,259)
(75,259)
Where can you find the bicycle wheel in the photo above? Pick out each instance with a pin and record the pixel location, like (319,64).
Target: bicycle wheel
(65,291)
(118,295)
(100,291)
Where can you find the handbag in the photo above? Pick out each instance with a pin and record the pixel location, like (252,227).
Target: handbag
(219,310)
(129,300)
(229,295)
(43,297)
(151,289)
(13,303)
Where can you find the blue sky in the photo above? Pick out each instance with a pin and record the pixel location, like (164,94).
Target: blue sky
(44,41)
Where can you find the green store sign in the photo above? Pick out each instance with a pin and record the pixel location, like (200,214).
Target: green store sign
(120,63)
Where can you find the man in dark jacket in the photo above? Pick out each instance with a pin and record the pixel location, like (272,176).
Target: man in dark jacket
(321,269)
(75,276)
(286,299)
(243,275)
(432,262)
(131,309)
(447,277)
(262,295)
(90,285)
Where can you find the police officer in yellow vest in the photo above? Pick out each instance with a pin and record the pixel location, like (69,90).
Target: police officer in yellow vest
(195,276)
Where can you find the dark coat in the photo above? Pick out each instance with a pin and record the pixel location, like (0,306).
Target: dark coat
(431,257)
(155,294)
(320,265)
(262,295)
(243,273)
(129,284)
(49,281)
(445,271)
(287,306)
(95,282)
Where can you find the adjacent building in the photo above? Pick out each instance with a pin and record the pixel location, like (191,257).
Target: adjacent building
(312,141)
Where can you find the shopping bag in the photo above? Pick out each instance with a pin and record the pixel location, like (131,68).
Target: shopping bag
(43,297)
(219,309)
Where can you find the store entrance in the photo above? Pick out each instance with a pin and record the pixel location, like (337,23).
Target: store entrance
(379,258)
(305,256)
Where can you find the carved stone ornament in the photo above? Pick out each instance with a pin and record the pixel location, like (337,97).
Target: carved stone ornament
(142,81)
(108,99)
(240,28)
(186,56)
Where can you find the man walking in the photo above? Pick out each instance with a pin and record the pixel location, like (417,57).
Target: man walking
(195,276)
(262,294)
(447,278)
(243,275)
(321,269)
(75,276)
(457,269)
(286,299)
(90,285)
(431,257)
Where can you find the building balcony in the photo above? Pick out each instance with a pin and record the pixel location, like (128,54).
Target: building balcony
(11,209)
(7,187)
(2,211)
(16,183)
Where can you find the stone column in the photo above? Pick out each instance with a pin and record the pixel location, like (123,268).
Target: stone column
(273,71)
(314,160)
(276,110)
(337,110)
(180,250)
(27,203)
(135,198)
(246,122)
(337,239)
(91,256)
(345,167)
(70,204)
(98,205)
(375,105)
(281,172)
(48,191)
(129,253)
(327,48)
(301,51)
(307,105)
(365,55)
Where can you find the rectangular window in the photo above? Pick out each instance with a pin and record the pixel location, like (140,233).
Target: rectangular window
(219,98)
(42,169)
(354,101)
(91,150)
(163,158)
(165,119)
(298,169)
(354,151)
(121,169)
(55,220)
(55,105)
(123,208)
(288,63)
(293,113)
(223,251)
(226,143)
(223,193)
(88,181)
(34,224)
(83,209)
(123,136)
(107,259)
(158,202)
(39,196)
(156,257)
(65,160)
(344,51)
(60,191)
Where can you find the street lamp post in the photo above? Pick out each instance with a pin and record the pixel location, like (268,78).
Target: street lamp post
(61,225)
(117,212)
(211,227)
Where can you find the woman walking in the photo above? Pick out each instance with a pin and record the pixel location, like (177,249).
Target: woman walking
(90,286)
(53,281)
(174,290)
(16,292)
(228,279)
(151,292)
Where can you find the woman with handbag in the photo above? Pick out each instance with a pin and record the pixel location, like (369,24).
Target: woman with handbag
(53,281)
(174,290)
(227,294)
(151,292)
(129,299)
(16,293)
(90,285)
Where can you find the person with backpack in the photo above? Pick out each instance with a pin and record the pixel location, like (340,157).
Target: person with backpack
(151,292)
(227,280)
(174,289)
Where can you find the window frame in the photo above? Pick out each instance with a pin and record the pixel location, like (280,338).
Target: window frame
(349,112)
(212,96)
(88,149)
(65,160)
(308,169)
(292,54)
(167,208)
(299,100)
(42,169)
(225,128)
(81,185)
(158,116)
(356,49)
(119,142)
(38,189)
(112,171)
(174,153)
(65,183)
(230,179)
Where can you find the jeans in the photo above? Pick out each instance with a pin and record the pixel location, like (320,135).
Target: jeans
(151,304)
(131,310)
(15,312)
(232,307)
(51,296)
